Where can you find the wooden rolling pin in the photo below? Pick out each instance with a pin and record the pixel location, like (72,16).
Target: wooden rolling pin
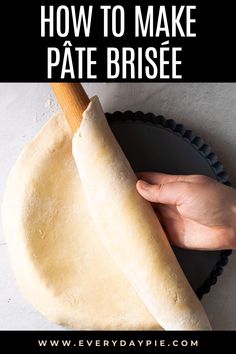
(73,101)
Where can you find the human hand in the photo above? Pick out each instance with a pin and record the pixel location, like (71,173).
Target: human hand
(195,211)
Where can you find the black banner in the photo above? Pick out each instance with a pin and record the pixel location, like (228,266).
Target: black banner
(149,41)
(116,341)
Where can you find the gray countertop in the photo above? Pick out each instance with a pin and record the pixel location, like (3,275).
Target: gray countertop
(208,109)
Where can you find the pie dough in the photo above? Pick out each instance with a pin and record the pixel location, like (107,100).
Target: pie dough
(88,252)
(59,262)
(129,228)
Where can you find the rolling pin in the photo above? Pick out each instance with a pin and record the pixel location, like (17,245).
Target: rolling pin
(73,101)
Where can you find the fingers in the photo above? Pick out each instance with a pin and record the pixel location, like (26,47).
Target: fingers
(161,178)
(172,224)
(168,193)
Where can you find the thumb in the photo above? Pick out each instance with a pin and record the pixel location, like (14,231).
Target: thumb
(168,193)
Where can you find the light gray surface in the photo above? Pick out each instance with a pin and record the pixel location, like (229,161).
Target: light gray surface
(208,109)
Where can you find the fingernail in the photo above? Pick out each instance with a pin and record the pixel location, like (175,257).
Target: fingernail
(143,184)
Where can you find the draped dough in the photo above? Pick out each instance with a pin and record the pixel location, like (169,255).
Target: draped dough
(88,252)
(129,228)
(59,262)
